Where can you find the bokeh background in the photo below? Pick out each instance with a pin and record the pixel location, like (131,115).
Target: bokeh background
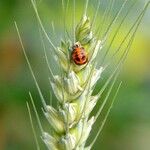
(128,126)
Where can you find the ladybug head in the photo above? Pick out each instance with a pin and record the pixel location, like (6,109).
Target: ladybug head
(76,45)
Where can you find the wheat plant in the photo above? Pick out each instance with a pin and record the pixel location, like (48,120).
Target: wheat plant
(77,56)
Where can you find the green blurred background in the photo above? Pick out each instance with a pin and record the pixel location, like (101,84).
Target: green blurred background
(128,126)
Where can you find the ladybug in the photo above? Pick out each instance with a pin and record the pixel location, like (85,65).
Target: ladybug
(79,55)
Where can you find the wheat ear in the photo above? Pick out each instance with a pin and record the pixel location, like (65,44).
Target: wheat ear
(71,121)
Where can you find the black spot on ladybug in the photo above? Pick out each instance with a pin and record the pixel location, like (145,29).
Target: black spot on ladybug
(83,57)
(78,59)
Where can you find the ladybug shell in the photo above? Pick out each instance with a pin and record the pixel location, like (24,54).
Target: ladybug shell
(79,56)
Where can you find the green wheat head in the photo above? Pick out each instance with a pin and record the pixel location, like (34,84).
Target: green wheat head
(71,121)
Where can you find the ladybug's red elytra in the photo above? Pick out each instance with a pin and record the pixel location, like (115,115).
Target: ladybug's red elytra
(79,55)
